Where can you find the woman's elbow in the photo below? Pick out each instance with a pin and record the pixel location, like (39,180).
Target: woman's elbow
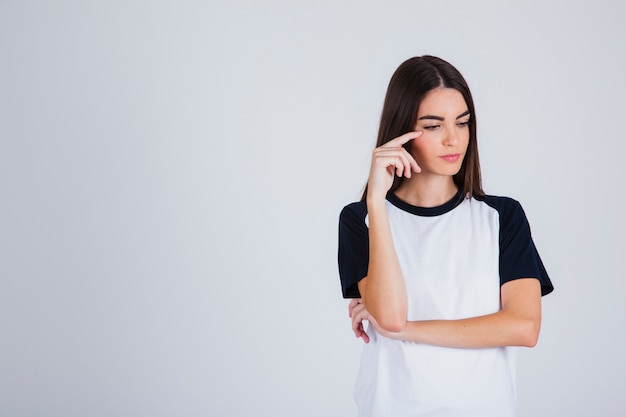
(392,324)
(388,319)
(528,333)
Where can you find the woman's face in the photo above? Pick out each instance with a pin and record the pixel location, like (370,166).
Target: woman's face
(443,116)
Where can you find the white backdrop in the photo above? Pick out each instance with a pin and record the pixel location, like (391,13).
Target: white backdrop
(171,174)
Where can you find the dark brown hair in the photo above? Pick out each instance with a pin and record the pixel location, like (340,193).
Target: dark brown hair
(413,79)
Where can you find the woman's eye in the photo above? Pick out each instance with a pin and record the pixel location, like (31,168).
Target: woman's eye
(431,127)
(463,124)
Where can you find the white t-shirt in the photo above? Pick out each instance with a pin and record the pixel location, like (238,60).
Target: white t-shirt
(454,258)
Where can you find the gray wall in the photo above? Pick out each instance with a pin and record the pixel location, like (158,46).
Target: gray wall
(171,175)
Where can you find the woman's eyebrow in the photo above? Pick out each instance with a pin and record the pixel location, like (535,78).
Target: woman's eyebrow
(431,117)
(465,113)
(441,119)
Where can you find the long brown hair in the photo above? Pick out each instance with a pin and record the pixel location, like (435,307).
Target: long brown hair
(413,79)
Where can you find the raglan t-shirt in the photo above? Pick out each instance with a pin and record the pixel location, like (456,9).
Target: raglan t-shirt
(454,259)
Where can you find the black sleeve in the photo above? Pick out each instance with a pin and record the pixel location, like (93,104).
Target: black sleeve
(518,255)
(353,256)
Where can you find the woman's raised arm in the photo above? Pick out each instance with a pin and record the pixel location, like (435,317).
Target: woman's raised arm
(383,290)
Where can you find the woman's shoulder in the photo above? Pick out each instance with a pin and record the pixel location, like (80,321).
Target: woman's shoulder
(509,209)
(356,211)
(499,202)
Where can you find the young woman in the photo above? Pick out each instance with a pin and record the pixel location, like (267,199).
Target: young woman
(448,278)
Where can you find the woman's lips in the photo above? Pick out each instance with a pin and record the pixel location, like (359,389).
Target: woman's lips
(453,157)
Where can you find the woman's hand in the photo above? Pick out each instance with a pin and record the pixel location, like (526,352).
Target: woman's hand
(358,313)
(388,159)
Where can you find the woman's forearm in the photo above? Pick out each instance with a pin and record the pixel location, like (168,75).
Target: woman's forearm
(384,291)
(494,330)
(516,324)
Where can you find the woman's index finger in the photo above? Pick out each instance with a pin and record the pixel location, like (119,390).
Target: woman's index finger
(402,139)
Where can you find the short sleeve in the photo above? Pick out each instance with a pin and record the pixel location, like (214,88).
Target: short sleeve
(519,257)
(353,254)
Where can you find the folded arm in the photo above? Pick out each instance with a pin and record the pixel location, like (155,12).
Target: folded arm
(516,324)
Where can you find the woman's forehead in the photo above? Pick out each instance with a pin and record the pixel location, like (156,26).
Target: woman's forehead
(442,101)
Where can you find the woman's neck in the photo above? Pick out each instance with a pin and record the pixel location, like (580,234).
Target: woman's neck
(427,192)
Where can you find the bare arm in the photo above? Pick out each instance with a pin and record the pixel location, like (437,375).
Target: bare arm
(383,290)
(516,324)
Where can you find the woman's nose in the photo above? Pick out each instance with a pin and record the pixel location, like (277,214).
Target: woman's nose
(450,137)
